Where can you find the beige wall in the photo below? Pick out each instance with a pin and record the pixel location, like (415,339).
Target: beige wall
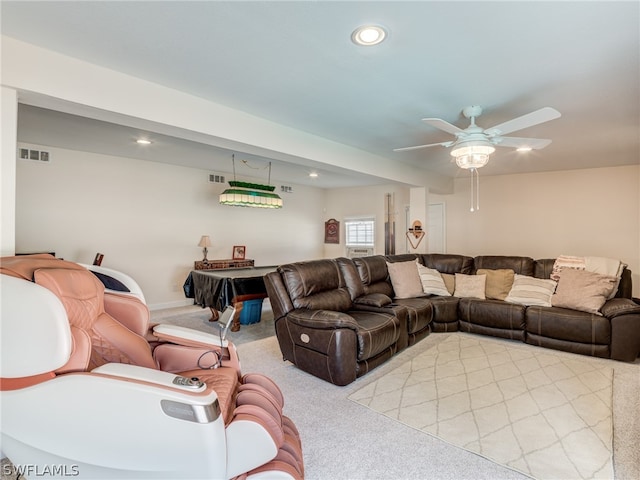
(344,203)
(543,215)
(147,218)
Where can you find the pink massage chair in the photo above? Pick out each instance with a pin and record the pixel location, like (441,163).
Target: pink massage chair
(89,389)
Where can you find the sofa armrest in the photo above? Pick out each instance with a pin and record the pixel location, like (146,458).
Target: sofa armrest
(322,319)
(619,306)
(373,300)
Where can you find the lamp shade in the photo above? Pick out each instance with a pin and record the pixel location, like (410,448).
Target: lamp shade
(205,241)
(242,194)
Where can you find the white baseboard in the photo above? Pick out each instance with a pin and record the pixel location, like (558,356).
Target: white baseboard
(178,303)
(266,305)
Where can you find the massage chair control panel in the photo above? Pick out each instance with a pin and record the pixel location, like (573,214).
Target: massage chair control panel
(193,382)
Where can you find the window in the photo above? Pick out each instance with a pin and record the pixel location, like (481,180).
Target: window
(360,232)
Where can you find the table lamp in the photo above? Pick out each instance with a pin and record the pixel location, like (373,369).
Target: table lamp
(205,242)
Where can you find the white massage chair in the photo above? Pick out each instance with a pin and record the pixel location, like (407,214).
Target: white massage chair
(88,390)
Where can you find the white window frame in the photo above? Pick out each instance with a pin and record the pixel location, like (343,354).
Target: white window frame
(369,233)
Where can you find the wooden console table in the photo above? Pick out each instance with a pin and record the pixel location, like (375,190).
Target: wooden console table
(221,264)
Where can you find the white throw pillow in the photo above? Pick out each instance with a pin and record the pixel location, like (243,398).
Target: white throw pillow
(531,291)
(470,286)
(432,282)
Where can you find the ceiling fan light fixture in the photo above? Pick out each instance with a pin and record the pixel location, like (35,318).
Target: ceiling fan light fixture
(368,35)
(474,154)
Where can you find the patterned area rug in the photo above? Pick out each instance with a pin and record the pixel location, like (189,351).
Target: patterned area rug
(543,413)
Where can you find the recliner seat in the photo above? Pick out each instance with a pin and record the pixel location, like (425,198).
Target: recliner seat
(321,331)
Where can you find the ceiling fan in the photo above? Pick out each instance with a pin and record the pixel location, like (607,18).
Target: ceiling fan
(473,145)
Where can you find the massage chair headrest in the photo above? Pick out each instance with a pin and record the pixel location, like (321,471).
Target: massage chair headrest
(36,337)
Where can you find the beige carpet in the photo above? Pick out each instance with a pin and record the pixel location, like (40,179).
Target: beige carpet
(542,413)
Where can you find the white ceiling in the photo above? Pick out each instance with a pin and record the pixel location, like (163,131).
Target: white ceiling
(293,63)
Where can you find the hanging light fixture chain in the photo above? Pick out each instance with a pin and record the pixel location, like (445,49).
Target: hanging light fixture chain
(233,160)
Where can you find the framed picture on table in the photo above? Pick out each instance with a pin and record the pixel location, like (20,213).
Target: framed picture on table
(239,252)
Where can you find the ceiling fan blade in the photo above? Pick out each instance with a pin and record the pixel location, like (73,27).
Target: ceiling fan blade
(519,142)
(406,149)
(530,119)
(442,125)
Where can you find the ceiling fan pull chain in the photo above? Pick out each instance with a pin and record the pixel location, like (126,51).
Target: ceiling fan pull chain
(477,189)
(475,199)
(471,172)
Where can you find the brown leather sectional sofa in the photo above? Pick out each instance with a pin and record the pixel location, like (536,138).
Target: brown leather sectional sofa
(339,318)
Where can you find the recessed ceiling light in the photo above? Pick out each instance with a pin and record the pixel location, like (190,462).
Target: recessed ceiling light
(523,149)
(143,141)
(368,35)
(313,174)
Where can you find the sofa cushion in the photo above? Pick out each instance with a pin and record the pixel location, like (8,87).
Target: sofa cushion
(567,325)
(374,274)
(377,331)
(583,290)
(520,265)
(419,313)
(470,286)
(371,269)
(432,282)
(405,279)
(448,263)
(492,317)
(316,285)
(499,282)
(531,291)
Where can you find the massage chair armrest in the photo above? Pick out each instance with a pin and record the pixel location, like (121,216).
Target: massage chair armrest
(181,349)
(142,424)
(322,319)
(619,306)
(187,336)
(148,375)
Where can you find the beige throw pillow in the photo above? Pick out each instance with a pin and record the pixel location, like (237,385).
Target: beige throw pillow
(432,282)
(531,291)
(470,286)
(405,279)
(499,282)
(583,290)
(449,281)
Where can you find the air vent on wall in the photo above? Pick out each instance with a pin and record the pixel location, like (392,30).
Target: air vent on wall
(213,178)
(33,154)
